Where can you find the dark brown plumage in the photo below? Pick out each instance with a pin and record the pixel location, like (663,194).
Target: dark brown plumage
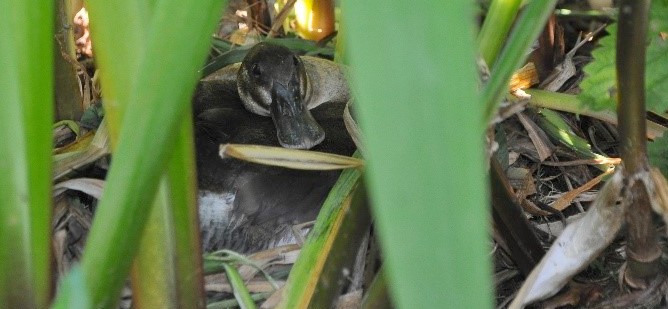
(248,207)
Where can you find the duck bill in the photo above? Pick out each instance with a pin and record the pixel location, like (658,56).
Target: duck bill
(296,127)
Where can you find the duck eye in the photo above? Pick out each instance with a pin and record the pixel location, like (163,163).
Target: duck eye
(256,71)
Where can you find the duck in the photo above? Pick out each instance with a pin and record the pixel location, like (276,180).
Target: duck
(273,81)
(276,98)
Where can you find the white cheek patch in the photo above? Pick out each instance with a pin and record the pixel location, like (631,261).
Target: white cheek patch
(264,100)
(256,102)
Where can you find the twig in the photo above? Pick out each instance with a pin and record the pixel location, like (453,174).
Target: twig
(278,22)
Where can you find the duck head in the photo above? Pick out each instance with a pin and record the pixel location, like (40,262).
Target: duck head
(272,81)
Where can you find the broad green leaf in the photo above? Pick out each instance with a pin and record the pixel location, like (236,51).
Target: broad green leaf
(166,272)
(26,87)
(420,115)
(599,89)
(158,92)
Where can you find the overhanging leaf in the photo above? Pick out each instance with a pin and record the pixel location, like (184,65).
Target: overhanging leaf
(598,88)
(290,158)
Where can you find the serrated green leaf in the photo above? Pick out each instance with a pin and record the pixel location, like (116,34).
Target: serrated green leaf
(599,88)
(657,152)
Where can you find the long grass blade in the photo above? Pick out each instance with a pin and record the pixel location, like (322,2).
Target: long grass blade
(315,279)
(526,31)
(26,86)
(145,137)
(420,115)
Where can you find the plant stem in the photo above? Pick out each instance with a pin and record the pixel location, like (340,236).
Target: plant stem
(631,82)
(572,104)
(642,249)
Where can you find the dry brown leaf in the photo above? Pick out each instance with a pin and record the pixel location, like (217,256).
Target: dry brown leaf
(538,137)
(524,78)
(579,244)
(569,196)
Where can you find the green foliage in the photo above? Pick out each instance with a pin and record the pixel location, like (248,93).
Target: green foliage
(301,290)
(421,115)
(599,88)
(26,87)
(492,36)
(558,129)
(147,101)
(526,31)
(72,291)
(657,151)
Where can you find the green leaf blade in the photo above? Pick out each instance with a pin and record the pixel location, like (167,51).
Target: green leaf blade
(26,87)
(159,96)
(420,113)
